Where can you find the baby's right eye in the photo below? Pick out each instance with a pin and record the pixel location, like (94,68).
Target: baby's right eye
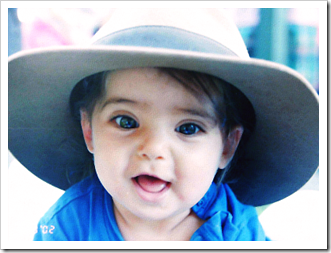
(126,122)
(189,129)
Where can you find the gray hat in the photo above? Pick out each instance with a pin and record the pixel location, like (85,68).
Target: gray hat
(281,155)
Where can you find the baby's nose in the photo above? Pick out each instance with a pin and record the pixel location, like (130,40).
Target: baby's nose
(154,147)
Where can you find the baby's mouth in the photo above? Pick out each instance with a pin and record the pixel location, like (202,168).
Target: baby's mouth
(151,184)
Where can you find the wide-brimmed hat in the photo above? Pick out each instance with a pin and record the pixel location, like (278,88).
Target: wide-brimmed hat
(281,155)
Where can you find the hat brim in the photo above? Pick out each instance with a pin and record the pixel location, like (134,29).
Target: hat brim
(281,155)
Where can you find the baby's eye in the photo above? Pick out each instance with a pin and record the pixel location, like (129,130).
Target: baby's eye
(188,129)
(126,122)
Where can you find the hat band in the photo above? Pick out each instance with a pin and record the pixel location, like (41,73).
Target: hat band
(164,37)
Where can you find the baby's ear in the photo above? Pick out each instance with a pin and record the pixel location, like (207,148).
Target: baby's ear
(231,143)
(87,130)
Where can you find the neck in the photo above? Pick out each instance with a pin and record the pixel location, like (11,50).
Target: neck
(179,227)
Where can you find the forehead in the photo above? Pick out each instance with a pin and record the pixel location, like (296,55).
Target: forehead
(153,86)
(151,82)
(140,77)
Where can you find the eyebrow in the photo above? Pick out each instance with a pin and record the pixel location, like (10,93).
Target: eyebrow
(118,101)
(199,113)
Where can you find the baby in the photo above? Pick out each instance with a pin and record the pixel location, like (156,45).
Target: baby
(157,140)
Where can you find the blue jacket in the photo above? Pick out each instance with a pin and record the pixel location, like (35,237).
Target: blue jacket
(85,213)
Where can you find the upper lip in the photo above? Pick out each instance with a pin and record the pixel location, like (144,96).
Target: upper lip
(150,175)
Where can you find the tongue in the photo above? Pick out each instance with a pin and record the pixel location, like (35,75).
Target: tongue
(151,184)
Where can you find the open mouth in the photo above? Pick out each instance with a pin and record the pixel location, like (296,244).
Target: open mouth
(151,184)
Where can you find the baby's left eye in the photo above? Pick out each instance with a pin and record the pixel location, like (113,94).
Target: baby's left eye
(188,129)
(126,122)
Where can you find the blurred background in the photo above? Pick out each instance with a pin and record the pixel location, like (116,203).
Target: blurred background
(286,36)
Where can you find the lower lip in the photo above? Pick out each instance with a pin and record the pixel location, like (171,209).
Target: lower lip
(152,197)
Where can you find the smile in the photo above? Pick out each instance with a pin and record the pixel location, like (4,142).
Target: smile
(150,188)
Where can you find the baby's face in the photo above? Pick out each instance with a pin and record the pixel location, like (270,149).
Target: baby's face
(156,147)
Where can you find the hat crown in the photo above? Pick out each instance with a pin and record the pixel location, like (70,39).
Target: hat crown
(213,24)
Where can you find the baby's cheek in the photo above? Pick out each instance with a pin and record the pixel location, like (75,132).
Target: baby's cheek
(194,185)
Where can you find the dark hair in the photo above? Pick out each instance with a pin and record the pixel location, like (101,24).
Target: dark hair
(231,106)
(85,95)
